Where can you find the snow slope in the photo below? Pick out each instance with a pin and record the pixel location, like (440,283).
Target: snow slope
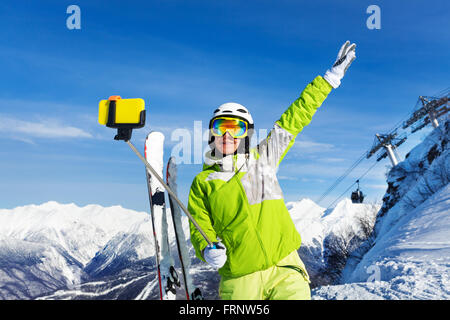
(410,261)
(408,256)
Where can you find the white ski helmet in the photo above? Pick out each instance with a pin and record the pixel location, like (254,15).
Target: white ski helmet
(234,110)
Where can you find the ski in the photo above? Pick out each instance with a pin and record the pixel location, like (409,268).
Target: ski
(167,275)
(157,255)
(183,250)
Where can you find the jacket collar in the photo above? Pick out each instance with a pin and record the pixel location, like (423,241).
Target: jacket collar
(229,163)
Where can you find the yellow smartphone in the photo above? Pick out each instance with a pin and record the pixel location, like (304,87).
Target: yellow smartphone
(119,113)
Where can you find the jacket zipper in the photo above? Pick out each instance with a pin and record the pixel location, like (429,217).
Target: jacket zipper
(248,208)
(262,247)
(254,227)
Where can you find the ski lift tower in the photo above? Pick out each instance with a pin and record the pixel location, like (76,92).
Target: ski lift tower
(389,142)
(428,110)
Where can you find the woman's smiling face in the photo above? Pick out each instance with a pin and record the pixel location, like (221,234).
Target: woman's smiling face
(226,144)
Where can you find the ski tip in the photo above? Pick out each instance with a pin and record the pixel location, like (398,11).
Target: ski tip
(171,168)
(155,133)
(172,162)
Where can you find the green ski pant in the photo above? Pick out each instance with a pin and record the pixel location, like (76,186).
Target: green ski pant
(288,280)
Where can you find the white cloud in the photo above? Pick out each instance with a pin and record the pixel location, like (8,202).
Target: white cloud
(41,128)
(26,140)
(377,186)
(308,146)
(287,178)
(332,172)
(331,159)
(312,180)
(312,144)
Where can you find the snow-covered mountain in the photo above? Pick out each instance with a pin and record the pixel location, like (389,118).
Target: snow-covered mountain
(408,255)
(319,228)
(62,251)
(46,247)
(68,252)
(81,232)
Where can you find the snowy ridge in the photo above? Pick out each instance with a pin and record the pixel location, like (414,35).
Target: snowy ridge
(123,249)
(79,231)
(317,226)
(408,255)
(93,252)
(411,261)
(45,247)
(87,252)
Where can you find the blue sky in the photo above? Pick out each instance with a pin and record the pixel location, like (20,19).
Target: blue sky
(187,57)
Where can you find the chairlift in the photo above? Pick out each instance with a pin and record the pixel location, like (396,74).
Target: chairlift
(357,195)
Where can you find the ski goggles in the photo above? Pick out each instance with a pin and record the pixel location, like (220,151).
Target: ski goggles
(237,128)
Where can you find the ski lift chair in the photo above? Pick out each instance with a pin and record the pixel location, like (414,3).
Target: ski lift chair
(357,196)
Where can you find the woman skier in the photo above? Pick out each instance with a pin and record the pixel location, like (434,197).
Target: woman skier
(237,200)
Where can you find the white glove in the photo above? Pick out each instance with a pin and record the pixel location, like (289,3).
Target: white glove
(345,57)
(216,256)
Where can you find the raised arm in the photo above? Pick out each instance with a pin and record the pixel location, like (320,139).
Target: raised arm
(299,114)
(292,121)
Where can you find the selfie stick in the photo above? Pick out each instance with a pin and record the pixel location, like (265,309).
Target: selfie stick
(126,115)
(172,194)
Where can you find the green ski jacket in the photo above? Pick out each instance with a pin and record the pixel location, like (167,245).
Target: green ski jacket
(238,199)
